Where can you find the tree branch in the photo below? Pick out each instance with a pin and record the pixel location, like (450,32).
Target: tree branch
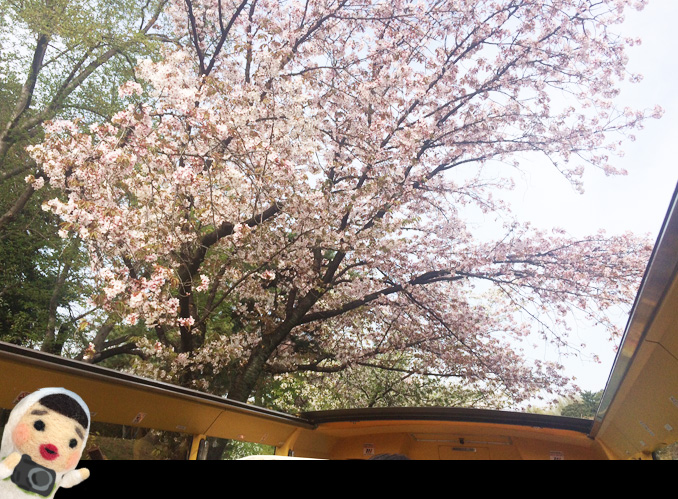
(26,97)
(424,279)
(16,208)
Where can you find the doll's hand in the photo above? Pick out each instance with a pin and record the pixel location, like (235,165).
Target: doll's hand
(8,464)
(12,460)
(73,478)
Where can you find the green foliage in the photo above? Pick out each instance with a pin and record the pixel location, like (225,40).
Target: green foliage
(92,49)
(230,450)
(32,258)
(585,408)
(81,33)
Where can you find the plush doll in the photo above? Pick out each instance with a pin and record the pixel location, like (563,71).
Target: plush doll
(42,444)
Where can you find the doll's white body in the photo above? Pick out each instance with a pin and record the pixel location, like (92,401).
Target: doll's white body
(10,491)
(50,439)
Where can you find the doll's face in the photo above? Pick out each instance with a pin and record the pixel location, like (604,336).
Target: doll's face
(51,439)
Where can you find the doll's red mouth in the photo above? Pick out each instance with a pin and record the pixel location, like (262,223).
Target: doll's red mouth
(49,452)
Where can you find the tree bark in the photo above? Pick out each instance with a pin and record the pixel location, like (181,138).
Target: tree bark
(50,342)
(17,207)
(246,381)
(26,96)
(194,260)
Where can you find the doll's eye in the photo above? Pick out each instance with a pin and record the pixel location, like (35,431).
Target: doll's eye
(72,443)
(39,425)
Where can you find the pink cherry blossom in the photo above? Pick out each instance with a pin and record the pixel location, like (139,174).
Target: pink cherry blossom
(130,88)
(302,170)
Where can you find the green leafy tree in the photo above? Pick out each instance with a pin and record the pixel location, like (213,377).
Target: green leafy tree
(40,280)
(586,407)
(58,55)
(58,59)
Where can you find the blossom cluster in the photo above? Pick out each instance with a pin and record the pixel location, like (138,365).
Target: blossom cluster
(296,164)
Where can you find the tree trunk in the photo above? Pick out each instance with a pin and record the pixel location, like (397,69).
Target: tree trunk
(49,344)
(246,381)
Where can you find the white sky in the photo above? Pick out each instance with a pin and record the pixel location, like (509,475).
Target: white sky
(639,201)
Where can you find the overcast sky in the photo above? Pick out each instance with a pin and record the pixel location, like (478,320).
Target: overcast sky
(639,201)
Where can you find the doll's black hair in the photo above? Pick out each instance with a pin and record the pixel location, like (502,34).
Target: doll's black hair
(66,406)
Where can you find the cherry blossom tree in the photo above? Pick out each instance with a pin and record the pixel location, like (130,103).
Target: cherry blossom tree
(287,189)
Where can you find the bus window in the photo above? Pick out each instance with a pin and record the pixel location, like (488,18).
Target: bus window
(117,442)
(668,453)
(219,449)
